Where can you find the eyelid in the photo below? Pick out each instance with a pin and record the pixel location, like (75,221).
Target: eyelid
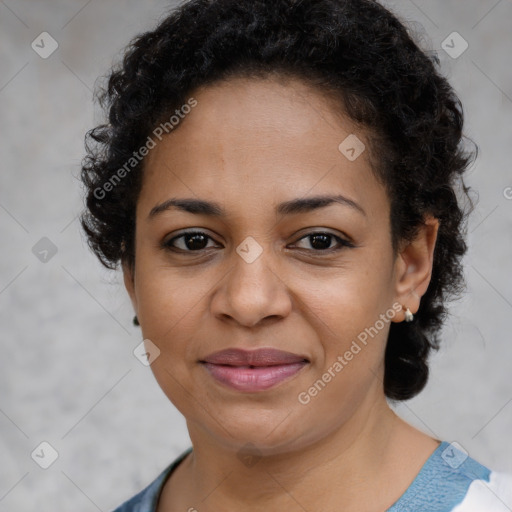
(166,243)
(343,241)
(325,231)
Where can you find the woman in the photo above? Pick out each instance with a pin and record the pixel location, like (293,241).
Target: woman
(278,180)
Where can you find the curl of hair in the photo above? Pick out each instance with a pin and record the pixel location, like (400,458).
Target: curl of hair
(356,51)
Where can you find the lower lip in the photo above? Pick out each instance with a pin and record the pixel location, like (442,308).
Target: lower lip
(243,378)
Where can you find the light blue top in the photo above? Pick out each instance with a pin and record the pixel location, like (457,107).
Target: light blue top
(449,481)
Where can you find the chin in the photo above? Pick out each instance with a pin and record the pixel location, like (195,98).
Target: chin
(264,436)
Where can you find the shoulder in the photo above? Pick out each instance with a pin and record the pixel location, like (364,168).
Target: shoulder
(147,499)
(492,495)
(451,481)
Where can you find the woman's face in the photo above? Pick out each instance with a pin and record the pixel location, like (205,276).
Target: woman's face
(256,276)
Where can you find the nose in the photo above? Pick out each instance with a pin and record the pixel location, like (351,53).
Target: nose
(252,293)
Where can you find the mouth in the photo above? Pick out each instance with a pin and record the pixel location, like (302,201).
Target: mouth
(255,370)
(258,357)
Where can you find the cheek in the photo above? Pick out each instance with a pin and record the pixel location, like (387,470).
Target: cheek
(349,323)
(170,299)
(351,315)
(171,315)
(347,300)
(351,319)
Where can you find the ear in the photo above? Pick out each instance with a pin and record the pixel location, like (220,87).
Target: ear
(413,267)
(129,283)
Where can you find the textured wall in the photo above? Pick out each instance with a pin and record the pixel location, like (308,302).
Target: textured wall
(68,376)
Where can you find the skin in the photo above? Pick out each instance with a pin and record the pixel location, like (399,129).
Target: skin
(250,145)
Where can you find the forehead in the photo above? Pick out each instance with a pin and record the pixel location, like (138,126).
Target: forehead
(260,139)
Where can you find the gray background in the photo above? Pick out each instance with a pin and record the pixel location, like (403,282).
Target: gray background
(68,375)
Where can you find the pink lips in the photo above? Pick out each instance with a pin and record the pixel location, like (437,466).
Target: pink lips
(254,370)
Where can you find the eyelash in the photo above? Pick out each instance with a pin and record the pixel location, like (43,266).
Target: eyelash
(342,242)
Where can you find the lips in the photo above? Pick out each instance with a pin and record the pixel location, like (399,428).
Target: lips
(258,357)
(255,370)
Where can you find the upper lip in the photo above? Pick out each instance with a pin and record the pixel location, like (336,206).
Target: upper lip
(258,357)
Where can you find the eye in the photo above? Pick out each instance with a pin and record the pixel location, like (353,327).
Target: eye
(195,241)
(190,241)
(321,242)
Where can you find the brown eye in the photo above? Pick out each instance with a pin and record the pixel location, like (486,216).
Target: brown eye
(321,242)
(191,241)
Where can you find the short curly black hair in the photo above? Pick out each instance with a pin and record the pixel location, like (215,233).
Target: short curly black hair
(356,50)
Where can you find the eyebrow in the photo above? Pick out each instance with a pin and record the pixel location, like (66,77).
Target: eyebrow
(292,207)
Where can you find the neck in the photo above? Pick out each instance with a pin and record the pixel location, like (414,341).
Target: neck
(359,464)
